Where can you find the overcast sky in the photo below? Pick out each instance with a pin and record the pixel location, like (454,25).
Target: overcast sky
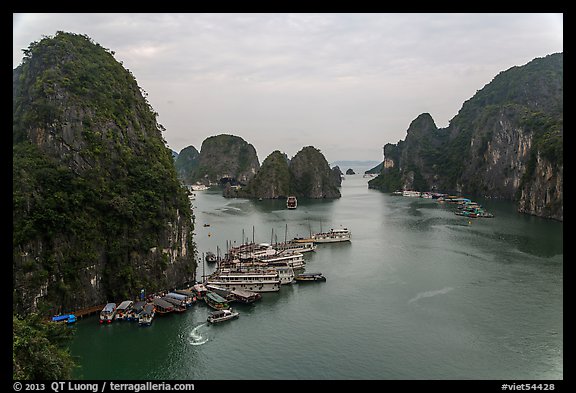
(344,83)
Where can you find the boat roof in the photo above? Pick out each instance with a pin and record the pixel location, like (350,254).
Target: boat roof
(171,300)
(162,303)
(200,287)
(59,318)
(178,296)
(109,307)
(148,308)
(216,297)
(125,304)
(244,292)
(185,292)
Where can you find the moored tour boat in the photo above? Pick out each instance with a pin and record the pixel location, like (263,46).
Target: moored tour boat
(256,281)
(123,309)
(107,313)
(177,304)
(161,306)
(146,315)
(216,301)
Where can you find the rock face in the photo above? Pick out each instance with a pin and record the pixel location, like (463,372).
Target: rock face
(307,175)
(337,176)
(98,212)
(506,142)
(311,176)
(226,159)
(271,182)
(186,164)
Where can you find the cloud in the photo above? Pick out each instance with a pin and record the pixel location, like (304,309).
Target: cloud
(306,79)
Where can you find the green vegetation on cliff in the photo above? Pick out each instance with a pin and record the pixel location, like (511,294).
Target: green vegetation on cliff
(311,176)
(506,133)
(186,164)
(39,349)
(227,157)
(272,180)
(94,185)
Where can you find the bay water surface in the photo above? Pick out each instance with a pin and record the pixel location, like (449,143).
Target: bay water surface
(419,293)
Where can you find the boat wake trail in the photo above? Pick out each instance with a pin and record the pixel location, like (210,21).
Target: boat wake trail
(430,294)
(198,335)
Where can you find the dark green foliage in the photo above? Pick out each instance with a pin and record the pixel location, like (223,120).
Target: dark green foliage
(102,188)
(272,179)
(187,163)
(524,100)
(388,181)
(39,349)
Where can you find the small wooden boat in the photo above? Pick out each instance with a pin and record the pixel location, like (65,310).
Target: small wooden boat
(185,298)
(222,315)
(66,318)
(146,315)
(107,313)
(306,277)
(135,311)
(200,290)
(123,309)
(291,202)
(162,306)
(216,301)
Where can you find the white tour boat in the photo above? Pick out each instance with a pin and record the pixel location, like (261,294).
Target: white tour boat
(332,236)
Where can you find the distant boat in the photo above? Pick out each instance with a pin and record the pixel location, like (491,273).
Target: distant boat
(332,236)
(210,257)
(297,244)
(198,187)
(291,202)
(304,277)
(222,315)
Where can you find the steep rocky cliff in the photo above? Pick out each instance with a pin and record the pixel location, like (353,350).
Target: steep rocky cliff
(98,212)
(307,175)
(506,142)
(225,159)
(311,176)
(186,164)
(272,181)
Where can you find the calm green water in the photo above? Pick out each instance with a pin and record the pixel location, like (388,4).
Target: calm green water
(419,293)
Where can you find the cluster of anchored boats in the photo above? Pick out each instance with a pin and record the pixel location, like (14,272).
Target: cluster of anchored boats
(241,276)
(465,206)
